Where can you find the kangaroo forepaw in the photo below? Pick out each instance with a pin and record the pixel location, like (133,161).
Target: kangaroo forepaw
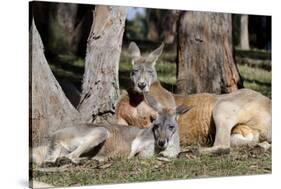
(168,154)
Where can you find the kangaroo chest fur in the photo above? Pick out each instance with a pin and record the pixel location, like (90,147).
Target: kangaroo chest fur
(133,110)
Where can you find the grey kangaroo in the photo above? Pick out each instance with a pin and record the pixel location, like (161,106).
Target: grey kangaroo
(104,141)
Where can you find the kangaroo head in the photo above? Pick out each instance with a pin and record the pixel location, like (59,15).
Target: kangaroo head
(164,124)
(143,72)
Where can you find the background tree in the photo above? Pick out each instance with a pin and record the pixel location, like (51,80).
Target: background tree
(161,25)
(64,26)
(50,109)
(205,57)
(244,33)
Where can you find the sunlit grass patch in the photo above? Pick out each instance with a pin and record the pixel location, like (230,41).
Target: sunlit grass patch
(256,79)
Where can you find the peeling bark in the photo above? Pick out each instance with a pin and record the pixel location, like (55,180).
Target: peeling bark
(49,109)
(100,87)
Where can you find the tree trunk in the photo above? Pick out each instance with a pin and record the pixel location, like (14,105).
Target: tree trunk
(161,25)
(244,33)
(205,59)
(50,109)
(169,26)
(100,87)
(153,19)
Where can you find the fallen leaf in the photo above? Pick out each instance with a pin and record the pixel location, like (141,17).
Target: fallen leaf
(163,159)
(267,170)
(190,156)
(185,150)
(104,166)
(264,145)
(253,166)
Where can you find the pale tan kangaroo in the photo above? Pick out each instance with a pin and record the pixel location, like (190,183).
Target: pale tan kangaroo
(239,118)
(100,141)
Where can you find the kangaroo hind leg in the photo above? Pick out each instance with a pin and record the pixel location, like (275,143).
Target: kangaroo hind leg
(225,118)
(91,140)
(243,135)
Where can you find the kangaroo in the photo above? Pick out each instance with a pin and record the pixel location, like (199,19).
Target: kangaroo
(131,108)
(239,118)
(100,141)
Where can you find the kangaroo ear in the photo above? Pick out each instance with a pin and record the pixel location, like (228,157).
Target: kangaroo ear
(153,57)
(152,102)
(182,109)
(153,117)
(134,51)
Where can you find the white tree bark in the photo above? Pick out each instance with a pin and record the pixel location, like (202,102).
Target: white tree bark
(100,87)
(244,33)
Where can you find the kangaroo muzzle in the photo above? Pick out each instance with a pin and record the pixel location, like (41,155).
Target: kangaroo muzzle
(141,85)
(162,143)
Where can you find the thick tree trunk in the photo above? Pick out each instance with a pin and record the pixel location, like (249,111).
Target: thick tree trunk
(244,33)
(50,109)
(205,59)
(100,87)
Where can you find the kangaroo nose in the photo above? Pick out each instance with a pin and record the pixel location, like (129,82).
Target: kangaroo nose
(141,85)
(161,143)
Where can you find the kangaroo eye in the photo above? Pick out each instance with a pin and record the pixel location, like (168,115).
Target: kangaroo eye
(150,72)
(134,72)
(156,126)
(171,127)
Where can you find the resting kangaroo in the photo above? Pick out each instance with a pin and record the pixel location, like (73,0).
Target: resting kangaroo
(103,141)
(238,118)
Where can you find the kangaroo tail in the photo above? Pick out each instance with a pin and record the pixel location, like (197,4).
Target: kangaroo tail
(39,154)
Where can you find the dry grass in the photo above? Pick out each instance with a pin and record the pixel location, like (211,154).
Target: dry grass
(242,161)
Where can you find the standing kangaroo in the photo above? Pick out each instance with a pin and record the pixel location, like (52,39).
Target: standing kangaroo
(239,118)
(101,141)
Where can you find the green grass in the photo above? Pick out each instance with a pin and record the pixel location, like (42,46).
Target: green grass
(256,79)
(253,53)
(246,161)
